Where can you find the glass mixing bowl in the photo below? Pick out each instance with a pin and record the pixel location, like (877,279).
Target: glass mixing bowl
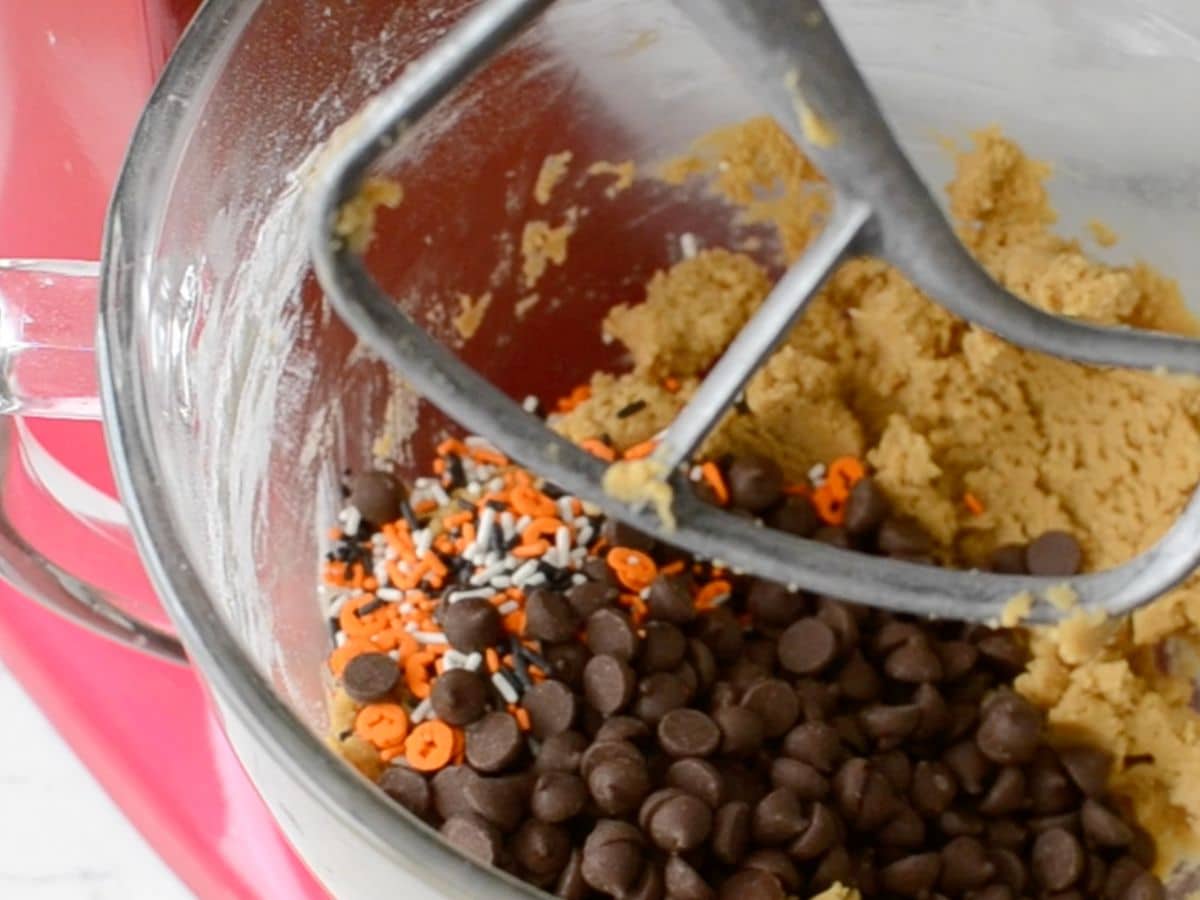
(233,399)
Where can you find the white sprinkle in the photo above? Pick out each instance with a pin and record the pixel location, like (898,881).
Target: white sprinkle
(579,578)
(591,509)
(470,595)
(475,442)
(394,654)
(530,404)
(474,661)
(391,594)
(696,473)
(449,664)
(378,540)
(440,495)
(562,543)
(793,587)
(525,571)
(483,535)
(492,558)
(644,593)
(689,246)
(411,627)
(509,607)
(722,599)
(353,521)
(341,638)
(496,485)
(475,489)
(566,511)
(508,525)
(607,338)
(536,581)
(380,571)
(338,602)
(816,475)
(584,537)
(421,710)
(500,582)
(423,542)
(406,609)
(523,523)
(504,686)
(487,574)
(430,637)
(579,556)
(456,657)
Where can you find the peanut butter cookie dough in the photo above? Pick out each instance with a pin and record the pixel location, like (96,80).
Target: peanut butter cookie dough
(945,411)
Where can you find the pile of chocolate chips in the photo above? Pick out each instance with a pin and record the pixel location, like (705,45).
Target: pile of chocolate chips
(773,746)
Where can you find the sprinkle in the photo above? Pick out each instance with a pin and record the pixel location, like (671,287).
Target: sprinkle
(509,606)
(369,607)
(740,404)
(631,409)
(422,542)
(536,580)
(430,637)
(689,245)
(530,404)
(391,594)
(500,582)
(579,578)
(562,543)
(456,596)
(816,475)
(505,688)
(474,661)
(487,522)
(352,520)
(422,710)
(439,494)
(973,504)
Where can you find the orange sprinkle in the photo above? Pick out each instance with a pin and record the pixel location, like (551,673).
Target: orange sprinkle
(708,595)
(599,449)
(489,457)
(973,504)
(460,746)
(798,490)
(493,660)
(529,501)
(843,474)
(711,473)
(341,656)
(529,551)
(514,622)
(672,568)
(416,674)
(544,527)
(439,467)
(580,394)
(521,714)
(425,507)
(458,518)
(452,446)
(430,747)
(635,569)
(536,674)
(355,625)
(382,724)
(831,508)
(391,753)
(671,384)
(642,450)
(334,534)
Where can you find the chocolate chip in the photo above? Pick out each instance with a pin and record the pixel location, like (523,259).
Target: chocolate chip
(815,743)
(970,767)
(795,515)
(701,659)
(609,632)
(773,605)
(671,600)
(663,648)
(888,726)
(903,537)
(955,822)
(699,778)
(1088,768)
(913,662)
(1011,730)
(934,787)
(835,867)
(378,497)
(549,616)
(1144,887)
(622,728)
(1058,859)
(776,704)
(821,832)
(591,596)
(472,625)
(858,681)
(685,883)
(613,857)
(370,677)
(1143,849)
(408,788)
(605,751)
(459,696)
(965,866)
(494,742)
(775,862)
(741,730)
(800,778)
(618,534)
(501,801)
(807,647)
(551,706)
(1050,790)
(1103,826)
(558,796)
(722,632)
(912,876)
(1010,870)
(896,767)
(833,537)
(1008,559)
(448,791)
(755,483)
(1006,795)
(1054,554)
(561,753)
(958,658)
(474,837)
(567,662)
(540,848)
(778,818)
(570,884)
(1121,874)
(657,695)
(935,714)
(1006,833)
(618,786)
(906,829)
(608,684)
(731,832)
(681,823)
(840,617)
(688,732)
(866,508)
(864,796)
(1005,651)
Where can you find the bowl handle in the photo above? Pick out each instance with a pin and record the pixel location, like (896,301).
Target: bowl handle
(48,370)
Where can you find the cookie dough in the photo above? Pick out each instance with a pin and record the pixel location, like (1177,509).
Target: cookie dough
(356,219)
(942,409)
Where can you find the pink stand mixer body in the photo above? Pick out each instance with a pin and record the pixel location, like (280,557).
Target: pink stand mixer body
(73,79)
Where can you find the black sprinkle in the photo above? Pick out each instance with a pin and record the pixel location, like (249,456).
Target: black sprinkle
(553,491)
(458,476)
(520,664)
(631,409)
(334,626)
(562,580)
(606,438)
(466,504)
(345,735)
(536,659)
(511,677)
(512,542)
(497,505)
(740,404)
(496,540)
(346,492)
(367,608)
(409,516)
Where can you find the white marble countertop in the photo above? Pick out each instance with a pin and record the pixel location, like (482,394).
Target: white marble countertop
(61,837)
